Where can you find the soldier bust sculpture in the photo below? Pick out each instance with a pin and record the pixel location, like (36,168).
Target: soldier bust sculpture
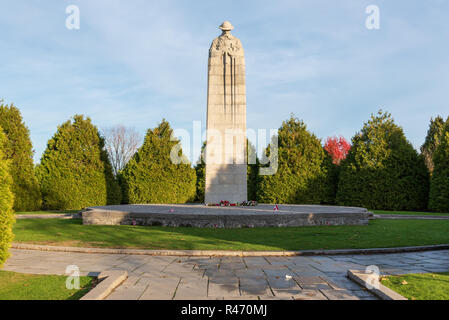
(226,43)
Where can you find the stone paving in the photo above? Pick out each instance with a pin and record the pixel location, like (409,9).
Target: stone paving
(169,277)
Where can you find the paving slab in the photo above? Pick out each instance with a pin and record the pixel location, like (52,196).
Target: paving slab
(299,294)
(363,294)
(339,295)
(278,260)
(250,273)
(342,283)
(252,290)
(130,282)
(316,286)
(282,283)
(160,289)
(255,261)
(229,288)
(241,298)
(279,273)
(219,273)
(173,268)
(304,280)
(191,289)
(232,266)
(213,266)
(129,293)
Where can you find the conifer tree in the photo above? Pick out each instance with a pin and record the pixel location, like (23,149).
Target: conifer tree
(383,170)
(439,185)
(75,171)
(301,176)
(6,203)
(19,150)
(432,141)
(159,172)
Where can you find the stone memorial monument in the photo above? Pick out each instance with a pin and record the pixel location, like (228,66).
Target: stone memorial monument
(226,163)
(225,154)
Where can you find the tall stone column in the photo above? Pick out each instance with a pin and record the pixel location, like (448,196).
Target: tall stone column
(226,120)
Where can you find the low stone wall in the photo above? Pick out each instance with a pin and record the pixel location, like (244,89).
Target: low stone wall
(233,218)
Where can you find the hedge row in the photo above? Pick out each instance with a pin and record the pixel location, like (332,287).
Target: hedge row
(75,171)
(381,171)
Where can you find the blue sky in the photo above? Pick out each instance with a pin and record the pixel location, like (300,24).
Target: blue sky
(136,62)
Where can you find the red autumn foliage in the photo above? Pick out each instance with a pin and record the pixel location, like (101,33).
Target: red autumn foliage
(338,148)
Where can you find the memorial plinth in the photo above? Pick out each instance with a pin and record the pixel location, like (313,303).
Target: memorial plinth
(197,215)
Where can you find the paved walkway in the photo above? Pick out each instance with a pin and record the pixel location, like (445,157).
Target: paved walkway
(166,277)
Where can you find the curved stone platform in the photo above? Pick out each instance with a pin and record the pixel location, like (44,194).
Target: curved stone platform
(198,215)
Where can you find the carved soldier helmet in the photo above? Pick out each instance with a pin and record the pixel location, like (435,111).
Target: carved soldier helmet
(226,26)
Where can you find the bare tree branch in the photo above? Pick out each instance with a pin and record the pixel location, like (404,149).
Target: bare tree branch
(121,144)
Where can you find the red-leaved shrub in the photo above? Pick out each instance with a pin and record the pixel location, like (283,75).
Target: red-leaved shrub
(338,148)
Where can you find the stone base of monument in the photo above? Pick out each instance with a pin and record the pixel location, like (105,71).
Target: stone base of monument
(197,215)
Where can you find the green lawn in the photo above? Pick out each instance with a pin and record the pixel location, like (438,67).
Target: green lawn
(410,213)
(379,233)
(19,286)
(50,212)
(374,211)
(426,286)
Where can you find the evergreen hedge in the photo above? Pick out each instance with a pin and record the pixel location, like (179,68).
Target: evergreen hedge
(75,171)
(19,150)
(6,203)
(383,170)
(439,185)
(151,177)
(302,173)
